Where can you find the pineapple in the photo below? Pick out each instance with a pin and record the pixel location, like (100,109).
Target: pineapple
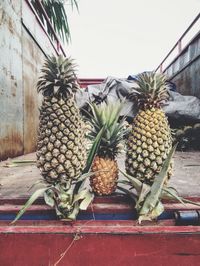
(61,149)
(107,116)
(150,141)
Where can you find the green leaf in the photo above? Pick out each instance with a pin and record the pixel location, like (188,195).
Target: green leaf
(35,195)
(72,216)
(137,184)
(128,192)
(57,16)
(86,201)
(80,195)
(154,213)
(124,182)
(152,198)
(48,199)
(93,150)
(23,161)
(173,194)
(142,196)
(36,183)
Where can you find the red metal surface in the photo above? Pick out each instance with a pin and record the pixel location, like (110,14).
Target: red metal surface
(91,242)
(112,204)
(98,243)
(85,82)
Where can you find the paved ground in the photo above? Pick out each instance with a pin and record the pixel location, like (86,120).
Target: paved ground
(16,181)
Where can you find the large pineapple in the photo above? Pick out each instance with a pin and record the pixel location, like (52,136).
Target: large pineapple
(104,182)
(61,149)
(150,140)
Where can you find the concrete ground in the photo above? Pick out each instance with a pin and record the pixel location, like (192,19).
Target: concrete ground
(15,182)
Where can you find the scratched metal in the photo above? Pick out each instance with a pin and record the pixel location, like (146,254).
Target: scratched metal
(185,70)
(23,45)
(32,62)
(11,94)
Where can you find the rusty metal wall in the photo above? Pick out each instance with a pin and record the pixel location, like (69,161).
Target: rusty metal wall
(23,46)
(11,94)
(184,71)
(32,61)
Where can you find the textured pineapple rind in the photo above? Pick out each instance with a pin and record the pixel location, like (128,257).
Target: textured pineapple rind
(61,148)
(148,145)
(105,181)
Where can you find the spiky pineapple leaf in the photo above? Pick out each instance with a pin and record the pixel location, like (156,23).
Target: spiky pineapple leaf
(142,196)
(152,214)
(49,199)
(125,182)
(154,195)
(86,201)
(171,193)
(137,184)
(80,195)
(24,161)
(93,150)
(35,195)
(36,183)
(57,16)
(128,192)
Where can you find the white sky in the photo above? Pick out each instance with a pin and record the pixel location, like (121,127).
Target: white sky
(122,37)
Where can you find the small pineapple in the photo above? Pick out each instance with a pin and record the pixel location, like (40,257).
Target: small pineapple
(104,182)
(61,149)
(150,140)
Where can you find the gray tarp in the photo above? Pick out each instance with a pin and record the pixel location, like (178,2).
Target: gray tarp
(179,106)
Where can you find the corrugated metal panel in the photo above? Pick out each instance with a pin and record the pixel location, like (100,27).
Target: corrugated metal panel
(11,94)
(185,70)
(32,62)
(188,81)
(23,46)
(38,34)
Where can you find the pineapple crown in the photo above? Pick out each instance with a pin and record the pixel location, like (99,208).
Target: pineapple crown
(107,115)
(58,77)
(152,90)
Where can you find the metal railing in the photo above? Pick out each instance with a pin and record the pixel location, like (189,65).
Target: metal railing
(55,41)
(178,47)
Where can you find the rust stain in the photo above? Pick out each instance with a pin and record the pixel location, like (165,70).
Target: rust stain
(2,15)
(14,89)
(10,26)
(30,122)
(11,145)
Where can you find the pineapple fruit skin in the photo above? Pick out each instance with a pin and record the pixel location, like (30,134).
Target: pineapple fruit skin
(105,182)
(61,148)
(148,145)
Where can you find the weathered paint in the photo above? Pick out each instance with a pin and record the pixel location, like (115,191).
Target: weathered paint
(85,82)
(32,61)
(184,71)
(23,46)
(114,209)
(11,95)
(97,242)
(96,248)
